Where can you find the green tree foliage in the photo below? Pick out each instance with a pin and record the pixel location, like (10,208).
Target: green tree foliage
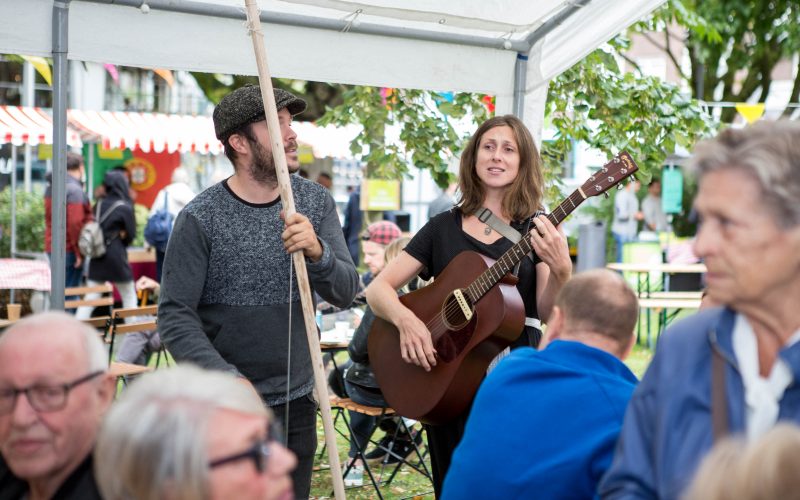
(30,222)
(611,111)
(427,136)
(733,46)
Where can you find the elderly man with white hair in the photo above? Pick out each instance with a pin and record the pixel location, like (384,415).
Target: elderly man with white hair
(54,391)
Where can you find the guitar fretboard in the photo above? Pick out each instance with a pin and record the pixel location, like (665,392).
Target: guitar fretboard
(516,253)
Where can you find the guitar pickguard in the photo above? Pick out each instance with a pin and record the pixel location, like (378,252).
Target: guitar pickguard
(451,343)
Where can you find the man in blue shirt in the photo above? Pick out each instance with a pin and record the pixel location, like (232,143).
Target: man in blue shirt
(544,423)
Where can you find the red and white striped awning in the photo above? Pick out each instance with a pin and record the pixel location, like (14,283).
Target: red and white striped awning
(27,125)
(149,132)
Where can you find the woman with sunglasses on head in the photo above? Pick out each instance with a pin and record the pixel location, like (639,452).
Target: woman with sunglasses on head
(185,434)
(500,170)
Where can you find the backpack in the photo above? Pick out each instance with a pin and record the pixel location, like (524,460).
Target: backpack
(91,240)
(159,227)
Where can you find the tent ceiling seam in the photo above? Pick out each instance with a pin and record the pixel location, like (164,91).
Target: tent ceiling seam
(230,12)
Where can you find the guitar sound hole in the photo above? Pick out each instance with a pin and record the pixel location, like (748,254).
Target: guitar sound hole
(454,317)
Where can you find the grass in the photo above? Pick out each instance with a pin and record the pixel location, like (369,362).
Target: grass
(408,483)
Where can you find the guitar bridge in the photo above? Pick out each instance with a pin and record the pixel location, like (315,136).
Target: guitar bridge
(463,304)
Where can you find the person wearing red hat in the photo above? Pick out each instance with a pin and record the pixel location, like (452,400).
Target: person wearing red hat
(375,239)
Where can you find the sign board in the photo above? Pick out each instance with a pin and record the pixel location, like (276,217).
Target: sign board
(380,194)
(672,190)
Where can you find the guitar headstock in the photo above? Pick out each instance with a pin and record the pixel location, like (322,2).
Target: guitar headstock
(620,167)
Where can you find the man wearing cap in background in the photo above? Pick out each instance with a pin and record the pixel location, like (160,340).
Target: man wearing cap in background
(226,302)
(374,241)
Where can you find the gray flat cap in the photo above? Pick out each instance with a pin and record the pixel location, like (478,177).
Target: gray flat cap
(244,105)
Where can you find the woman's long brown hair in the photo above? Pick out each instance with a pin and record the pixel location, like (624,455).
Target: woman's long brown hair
(524,196)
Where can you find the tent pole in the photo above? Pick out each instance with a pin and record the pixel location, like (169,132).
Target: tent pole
(13,249)
(59,178)
(303,284)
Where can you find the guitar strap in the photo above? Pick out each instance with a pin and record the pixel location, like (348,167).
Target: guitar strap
(490,219)
(719,403)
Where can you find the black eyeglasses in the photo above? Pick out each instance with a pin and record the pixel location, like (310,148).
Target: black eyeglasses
(259,453)
(44,398)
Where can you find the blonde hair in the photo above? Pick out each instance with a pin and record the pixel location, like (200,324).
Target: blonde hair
(763,469)
(394,248)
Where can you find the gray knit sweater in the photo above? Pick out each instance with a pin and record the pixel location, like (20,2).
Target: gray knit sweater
(225,286)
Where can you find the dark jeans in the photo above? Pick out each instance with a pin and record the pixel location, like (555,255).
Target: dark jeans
(442,441)
(73,274)
(302,430)
(360,423)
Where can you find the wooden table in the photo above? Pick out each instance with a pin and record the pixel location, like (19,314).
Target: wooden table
(661,300)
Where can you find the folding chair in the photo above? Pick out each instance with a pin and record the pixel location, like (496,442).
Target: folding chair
(106,298)
(143,319)
(340,404)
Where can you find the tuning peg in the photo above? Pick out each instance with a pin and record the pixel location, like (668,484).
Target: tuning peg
(620,186)
(605,193)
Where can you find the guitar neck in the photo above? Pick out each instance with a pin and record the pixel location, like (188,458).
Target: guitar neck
(516,253)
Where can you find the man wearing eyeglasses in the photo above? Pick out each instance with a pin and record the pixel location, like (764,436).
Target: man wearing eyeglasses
(54,391)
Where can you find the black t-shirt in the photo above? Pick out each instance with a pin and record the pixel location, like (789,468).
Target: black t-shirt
(442,238)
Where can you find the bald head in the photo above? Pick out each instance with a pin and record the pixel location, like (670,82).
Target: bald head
(54,391)
(598,303)
(62,329)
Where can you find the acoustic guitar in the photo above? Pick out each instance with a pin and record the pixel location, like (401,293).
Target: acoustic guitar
(473,311)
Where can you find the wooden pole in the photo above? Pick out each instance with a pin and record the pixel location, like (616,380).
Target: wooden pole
(287,198)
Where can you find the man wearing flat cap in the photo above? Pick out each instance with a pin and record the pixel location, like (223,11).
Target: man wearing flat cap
(226,300)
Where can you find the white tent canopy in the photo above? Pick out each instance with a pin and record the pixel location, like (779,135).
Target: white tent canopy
(444,45)
(508,48)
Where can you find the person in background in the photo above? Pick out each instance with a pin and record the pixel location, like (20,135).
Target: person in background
(652,211)
(119,229)
(228,293)
(546,421)
(726,370)
(325,180)
(178,194)
(136,347)
(354,379)
(762,469)
(353,220)
(79,212)
(54,392)
(443,202)
(373,243)
(500,170)
(626,216)
(184,433)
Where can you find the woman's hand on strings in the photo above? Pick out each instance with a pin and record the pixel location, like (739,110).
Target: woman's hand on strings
(550,244)
(416,345)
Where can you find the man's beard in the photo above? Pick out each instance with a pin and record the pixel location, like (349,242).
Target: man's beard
(263,166)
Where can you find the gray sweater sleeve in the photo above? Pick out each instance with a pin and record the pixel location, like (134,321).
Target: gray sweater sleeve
(333,277)
(179,324)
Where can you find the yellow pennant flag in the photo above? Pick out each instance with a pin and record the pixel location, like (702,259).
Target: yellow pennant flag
(750,112)
(166,75)
(42,67)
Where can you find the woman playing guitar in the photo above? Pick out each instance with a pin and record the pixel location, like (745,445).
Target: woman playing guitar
(500,170)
